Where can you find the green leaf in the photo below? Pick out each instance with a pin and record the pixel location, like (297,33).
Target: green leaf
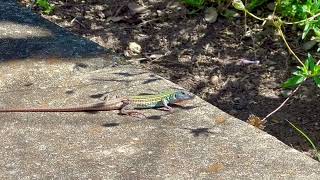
(298,73)
(306,29)
(310,63)
(316,70)
(238,5)
(255,3)
(316,30)
(45,5)
(316,79)
(301,68)
(294,81)
(49,10)
(194,3)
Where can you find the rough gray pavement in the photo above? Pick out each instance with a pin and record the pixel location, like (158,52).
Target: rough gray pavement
(198,141)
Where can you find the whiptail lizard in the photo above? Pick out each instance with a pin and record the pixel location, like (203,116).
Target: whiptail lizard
(125,104)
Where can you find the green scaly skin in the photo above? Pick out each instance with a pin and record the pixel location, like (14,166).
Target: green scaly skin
(159,100)
(125,104)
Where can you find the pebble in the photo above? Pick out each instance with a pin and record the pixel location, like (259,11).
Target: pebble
(211,15)
(214,80)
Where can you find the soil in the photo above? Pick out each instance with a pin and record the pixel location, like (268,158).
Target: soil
(205,58)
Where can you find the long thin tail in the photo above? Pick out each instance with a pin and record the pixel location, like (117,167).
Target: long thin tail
(95,107)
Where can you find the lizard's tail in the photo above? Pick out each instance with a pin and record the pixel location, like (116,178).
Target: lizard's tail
(95,107)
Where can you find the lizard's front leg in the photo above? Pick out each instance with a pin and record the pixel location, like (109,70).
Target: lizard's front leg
(166,106)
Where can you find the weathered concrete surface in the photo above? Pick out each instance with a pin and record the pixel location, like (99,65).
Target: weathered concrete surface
(195,142)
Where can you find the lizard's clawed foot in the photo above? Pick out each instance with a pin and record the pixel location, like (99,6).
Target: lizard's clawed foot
(136,114)
(168,108)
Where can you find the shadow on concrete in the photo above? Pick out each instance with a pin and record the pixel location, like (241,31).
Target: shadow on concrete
(199,131)
(25,35)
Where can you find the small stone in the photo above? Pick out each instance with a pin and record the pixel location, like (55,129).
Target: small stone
(160,13)
(233,112)
(309,45)
(237,99)
(55,17)
(135,47)
(273,85)
(259,12)
(230,14)
(211,15)
(175,5)
(214,80)
(99,7)
(286,93)
(270,62)
(126,53)
(94,26)
(197,77)
(270,6)
(101,15)
(115,18)
(249,86)
(271,68)
(136,8)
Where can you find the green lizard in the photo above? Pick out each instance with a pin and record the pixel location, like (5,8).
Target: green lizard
(126,105)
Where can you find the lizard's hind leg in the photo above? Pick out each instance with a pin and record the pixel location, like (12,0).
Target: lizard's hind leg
(127,109)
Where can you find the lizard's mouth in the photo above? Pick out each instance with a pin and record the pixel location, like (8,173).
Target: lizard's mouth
(182,102)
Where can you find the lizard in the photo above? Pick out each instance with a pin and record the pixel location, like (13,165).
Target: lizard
(126,105)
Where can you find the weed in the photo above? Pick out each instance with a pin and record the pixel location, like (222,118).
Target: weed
(307,11)
(317,153)
(306,70)
(309,70)
(46,7)
(195,4)
(256,3)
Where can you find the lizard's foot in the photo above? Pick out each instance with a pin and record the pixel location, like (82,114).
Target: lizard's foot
(168,108)
(136,114)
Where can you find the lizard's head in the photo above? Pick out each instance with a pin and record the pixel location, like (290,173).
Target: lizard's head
(181,95)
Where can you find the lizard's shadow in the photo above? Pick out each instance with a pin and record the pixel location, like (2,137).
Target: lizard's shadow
(113,124)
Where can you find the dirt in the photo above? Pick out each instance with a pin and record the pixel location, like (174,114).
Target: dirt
(205,58)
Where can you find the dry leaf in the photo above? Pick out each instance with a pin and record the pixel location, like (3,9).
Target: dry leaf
(220,120)
(256,121)
(215,168)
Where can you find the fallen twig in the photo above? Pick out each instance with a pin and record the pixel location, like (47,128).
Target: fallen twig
(282,104)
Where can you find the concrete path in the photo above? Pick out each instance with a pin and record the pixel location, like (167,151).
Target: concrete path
(43,65)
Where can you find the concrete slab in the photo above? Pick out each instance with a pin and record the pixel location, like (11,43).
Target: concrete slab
(198,141)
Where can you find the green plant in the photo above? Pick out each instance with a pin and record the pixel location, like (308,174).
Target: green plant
(297,9)
(304,11)
(196,4)
(46,7)
(309,70)
(317,153)
(306,70)
(255,3)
